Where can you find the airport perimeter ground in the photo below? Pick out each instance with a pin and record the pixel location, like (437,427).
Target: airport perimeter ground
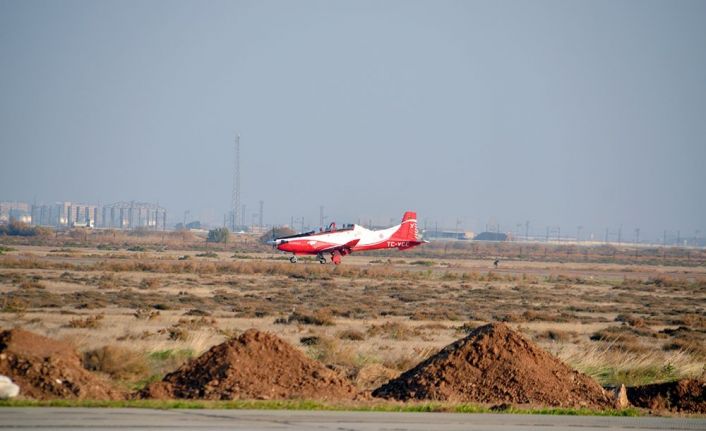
(138,307)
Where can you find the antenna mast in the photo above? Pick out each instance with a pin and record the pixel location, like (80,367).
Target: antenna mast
(236,221)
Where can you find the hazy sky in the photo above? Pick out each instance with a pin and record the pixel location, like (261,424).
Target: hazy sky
(562,113)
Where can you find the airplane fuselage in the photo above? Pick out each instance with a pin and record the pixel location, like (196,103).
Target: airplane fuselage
(352,238)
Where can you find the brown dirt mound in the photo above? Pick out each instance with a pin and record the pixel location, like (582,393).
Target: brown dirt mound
(688,396)
(48,369)
(256,365)
(494,364)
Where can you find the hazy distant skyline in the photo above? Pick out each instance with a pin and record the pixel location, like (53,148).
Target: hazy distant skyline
(563,113)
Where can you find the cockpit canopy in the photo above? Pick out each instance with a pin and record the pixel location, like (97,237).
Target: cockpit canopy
(333,228)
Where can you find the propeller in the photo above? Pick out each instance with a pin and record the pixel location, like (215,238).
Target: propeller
(273,241)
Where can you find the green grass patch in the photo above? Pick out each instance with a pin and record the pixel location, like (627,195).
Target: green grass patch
(637,376)
(163,355)
(160,363)
(142,383)
(314,405)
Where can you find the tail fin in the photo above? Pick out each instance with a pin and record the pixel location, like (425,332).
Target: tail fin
(408,229)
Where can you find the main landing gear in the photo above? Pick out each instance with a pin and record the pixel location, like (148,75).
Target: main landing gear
(336,257)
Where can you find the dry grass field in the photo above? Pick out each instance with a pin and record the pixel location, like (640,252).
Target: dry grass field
(138,308)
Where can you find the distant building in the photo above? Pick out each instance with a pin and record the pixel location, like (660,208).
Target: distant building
(132,215)
(193,225)
(50,214)
(491,236)
(120,215)
(82,215)
(447,234)
(64,214)
(19,211)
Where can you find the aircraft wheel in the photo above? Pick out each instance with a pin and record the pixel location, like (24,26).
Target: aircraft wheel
(321,258)
(293,259)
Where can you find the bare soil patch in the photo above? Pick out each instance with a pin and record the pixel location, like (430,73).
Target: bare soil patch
(494,364)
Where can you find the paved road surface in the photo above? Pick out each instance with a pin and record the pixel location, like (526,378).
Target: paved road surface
(29,418)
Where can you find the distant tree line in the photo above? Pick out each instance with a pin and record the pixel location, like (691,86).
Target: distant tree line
(18,228)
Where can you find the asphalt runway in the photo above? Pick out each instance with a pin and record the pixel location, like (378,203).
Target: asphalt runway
(31,418)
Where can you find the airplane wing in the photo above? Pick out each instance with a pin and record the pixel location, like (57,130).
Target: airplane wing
(347,246)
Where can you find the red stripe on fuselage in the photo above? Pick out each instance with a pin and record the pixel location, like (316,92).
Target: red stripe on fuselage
(305,246)
(388,243)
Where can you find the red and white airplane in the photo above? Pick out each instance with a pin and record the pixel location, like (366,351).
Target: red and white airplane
(349,238)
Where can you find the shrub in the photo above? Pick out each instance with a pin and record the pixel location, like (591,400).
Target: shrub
(197,312)
(310,341)
(391,330)
(631,320)
(13,305)
(319,318)
(351,335)
(556,335)
(118,362)
(207,254)
(692,320)
(194,324)
(90,322)
(335,355)
(106,281)
(467,327)
(146,313)
(686,339)
(621,338)
(177,334)
(219,234)
(150,283)
(31,284)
